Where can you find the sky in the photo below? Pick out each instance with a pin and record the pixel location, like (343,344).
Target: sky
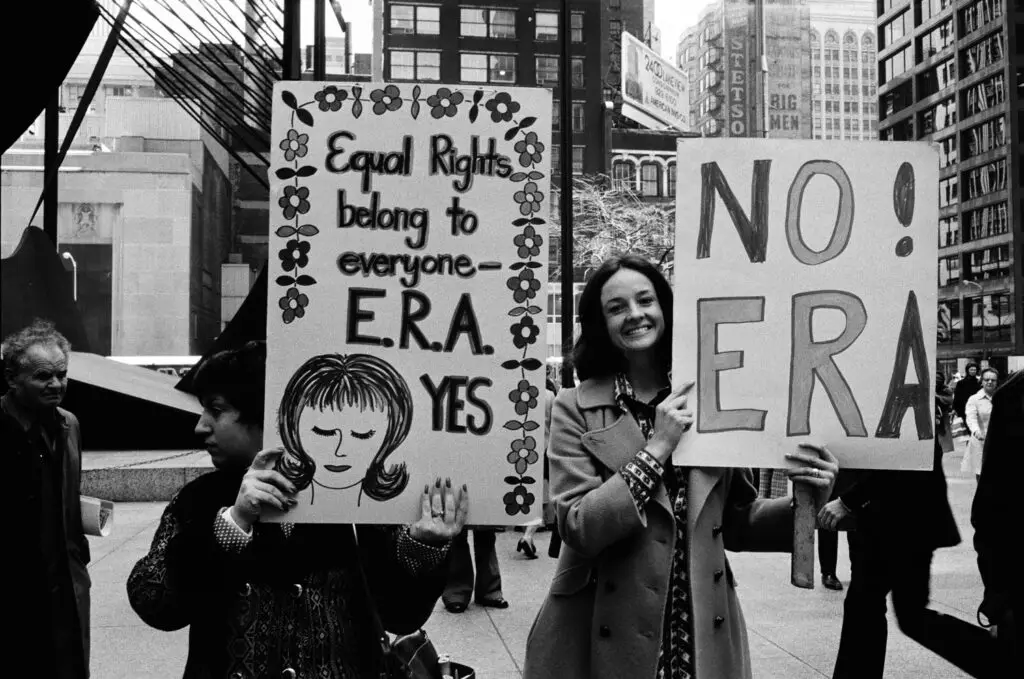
(671,16)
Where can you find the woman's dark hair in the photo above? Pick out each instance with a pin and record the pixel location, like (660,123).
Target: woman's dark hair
(237,376)
(967,368)
(594,353)
(346,381)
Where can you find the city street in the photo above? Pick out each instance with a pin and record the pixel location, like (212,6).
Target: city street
(793,633)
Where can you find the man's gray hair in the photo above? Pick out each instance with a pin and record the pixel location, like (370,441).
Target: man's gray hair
(40,332)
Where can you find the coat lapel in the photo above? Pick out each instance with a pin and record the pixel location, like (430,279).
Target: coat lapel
(702,481)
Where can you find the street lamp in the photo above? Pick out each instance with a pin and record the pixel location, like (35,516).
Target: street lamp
(74,274)
(981,306)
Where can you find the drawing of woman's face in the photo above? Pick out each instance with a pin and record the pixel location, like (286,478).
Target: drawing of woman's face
(342,442)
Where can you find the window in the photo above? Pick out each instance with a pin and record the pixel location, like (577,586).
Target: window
(615,31)
(547,25)
(896,64)
(897,99)
(984,95)
(979,14)
(984,137)
(949,271)
(936,40)
(577,159)
(985,179)
(988,263)
(556,114)
(983,222)
(983,54)
(886,5)
(74,96)
(892,31)
(671,179)
(949,231)
(488,23)
(947,151)
(948,192)
(556,162)
(118,90)
(576,27)
(579,117)
(624,175)
(950,328)
(420,19)
(578,79)
(936,79)
(495,68)
(407,65)
(926,9)
(547,70)
(650,179)
(615,4)
(938,117)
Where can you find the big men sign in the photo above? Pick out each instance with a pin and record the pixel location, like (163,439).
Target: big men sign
(405,332)
(805,300)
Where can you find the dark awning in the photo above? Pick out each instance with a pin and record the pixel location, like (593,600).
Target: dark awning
(131,380)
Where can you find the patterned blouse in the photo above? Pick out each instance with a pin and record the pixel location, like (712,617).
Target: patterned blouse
(642,474)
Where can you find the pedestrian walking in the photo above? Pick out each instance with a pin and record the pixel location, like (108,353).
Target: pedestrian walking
(643,587)
(966,388)
(483,583)
(978,410)
(280,599)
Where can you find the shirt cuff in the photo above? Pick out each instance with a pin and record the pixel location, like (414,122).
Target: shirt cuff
(228,535)
(641,475)
(417,557)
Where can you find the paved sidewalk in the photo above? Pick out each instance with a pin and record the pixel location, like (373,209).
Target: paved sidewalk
(793,633)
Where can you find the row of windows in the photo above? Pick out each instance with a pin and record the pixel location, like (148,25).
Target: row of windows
(936,40)
(649,180)
(979,56)
(893,30)
(985,179)
(480,22)
(896,64)
(848,89)
(926,9)
(991,318)
(983,54)
(579,115)
(984,95)
(847,72)
(578,153)
(984,137)
(492,68)
(848,124)
(982,222)
(938,117)
(979,14)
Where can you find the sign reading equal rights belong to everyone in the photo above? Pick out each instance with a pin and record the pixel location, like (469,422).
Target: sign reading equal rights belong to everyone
(805,300)
(408,274)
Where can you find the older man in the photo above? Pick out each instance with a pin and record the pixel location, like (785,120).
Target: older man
(47,599)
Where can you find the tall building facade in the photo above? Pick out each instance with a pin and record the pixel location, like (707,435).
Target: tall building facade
(951,72)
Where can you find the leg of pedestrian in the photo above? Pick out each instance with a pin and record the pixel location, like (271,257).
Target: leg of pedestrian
(460,575)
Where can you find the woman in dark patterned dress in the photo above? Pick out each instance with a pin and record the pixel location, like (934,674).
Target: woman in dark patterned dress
(280,600)
(643,588)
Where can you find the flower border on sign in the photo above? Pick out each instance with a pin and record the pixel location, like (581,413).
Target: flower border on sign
(444,102)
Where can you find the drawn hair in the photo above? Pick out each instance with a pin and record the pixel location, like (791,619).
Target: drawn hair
(337,381)
(237,376)
(40,332)
(594,353)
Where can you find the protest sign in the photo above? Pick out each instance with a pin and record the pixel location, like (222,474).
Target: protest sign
(805,300)
(408,240)
(654,92)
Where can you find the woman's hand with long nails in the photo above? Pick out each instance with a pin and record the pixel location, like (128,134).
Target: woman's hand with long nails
(672,418)
(262,486)
(817,468)
(442,513)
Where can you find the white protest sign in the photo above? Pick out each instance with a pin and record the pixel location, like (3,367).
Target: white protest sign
(654,92)
(805,300)
(408,240)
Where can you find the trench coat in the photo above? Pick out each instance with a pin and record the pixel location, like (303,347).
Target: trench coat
(23,599)
(603,616)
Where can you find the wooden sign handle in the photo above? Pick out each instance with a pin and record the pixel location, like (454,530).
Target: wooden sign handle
(805,520)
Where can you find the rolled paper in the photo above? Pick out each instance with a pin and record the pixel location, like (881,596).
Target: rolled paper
(97,516)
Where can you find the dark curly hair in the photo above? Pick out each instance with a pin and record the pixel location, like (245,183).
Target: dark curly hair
(594,353)
(237,376)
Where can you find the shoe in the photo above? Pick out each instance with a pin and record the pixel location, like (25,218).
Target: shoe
(527,547)
(831,582)
(493,602)
(455,606)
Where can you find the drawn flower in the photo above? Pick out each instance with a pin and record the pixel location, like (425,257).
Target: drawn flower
(524,396)
(294,201)
(294,146)
(502,107)
(528,242)
(529,199)
(294,254)
(529,149)
(524,453)
(524,332)
(444,103)
(523,285)
(387,99)
(294,304)
(518,501)
(330,98)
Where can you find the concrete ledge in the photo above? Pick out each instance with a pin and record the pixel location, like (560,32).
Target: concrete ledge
(141,476)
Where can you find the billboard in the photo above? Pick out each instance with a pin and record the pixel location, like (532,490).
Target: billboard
(788,27)
(654,92)
(739,90)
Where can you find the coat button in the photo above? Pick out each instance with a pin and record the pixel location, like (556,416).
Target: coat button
(609,587)
(237,675)
(246,590)
(288,673)
(718,621)
(296,590)
(718,575)
(604,631)
(716,531)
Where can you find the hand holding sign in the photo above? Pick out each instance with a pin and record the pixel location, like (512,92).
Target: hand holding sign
(443,516)
(817,470)
(672,418)
(262,486)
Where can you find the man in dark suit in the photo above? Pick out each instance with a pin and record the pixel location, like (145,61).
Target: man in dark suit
(47,599)
(902,517)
